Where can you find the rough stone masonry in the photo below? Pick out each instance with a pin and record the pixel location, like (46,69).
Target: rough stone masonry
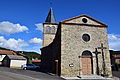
(70,51)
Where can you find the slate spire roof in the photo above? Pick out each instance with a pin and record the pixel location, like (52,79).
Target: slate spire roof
(50,18)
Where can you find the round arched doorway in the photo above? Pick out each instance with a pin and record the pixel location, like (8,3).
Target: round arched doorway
(87,64)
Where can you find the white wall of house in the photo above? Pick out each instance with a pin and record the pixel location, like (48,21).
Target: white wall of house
(1,58)
(17,63)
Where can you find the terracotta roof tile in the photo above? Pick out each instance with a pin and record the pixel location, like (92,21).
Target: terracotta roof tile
(36,60)
(116,56)
(7,52)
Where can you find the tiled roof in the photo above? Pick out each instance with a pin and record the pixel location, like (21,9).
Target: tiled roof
(7,52)
(36,60)
(116,56)
(16,57)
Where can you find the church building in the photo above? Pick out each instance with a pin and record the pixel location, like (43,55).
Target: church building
(75,47)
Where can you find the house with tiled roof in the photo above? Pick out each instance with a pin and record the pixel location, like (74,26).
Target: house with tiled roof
(3,53)
(11,59)
(14,61)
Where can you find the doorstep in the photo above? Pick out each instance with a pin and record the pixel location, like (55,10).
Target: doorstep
(87,77)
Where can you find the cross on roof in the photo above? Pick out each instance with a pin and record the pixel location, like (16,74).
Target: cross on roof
(51,3)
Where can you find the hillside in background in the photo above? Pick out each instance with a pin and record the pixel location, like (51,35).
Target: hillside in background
(3,48)
(30,55)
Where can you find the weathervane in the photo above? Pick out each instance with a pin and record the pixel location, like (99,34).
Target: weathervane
(51,2)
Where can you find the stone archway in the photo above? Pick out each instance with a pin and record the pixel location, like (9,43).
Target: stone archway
(87,65)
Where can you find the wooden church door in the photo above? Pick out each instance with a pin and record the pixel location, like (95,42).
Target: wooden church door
(86,63)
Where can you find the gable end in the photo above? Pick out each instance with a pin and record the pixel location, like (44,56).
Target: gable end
(68,20)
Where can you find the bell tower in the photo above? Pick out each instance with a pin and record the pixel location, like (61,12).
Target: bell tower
(49,28)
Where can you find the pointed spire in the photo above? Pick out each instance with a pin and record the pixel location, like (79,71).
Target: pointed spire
(50,18)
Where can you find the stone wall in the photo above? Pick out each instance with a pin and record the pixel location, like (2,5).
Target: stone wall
(72,46)
(66,47)
(49,32)
(50,55)
(48,39)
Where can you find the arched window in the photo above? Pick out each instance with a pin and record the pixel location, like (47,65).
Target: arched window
(53,29)
(87,53)
(48,29)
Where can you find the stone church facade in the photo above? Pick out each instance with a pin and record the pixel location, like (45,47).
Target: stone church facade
(75,47)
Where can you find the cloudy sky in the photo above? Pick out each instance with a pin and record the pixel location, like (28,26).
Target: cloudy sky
(21,20)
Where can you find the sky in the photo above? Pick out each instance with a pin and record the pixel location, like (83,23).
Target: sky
(21,20)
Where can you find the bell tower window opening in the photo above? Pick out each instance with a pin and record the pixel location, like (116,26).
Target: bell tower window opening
(48,29)
(53,29)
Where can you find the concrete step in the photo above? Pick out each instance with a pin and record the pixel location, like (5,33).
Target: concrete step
(94,77)
(87,77)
